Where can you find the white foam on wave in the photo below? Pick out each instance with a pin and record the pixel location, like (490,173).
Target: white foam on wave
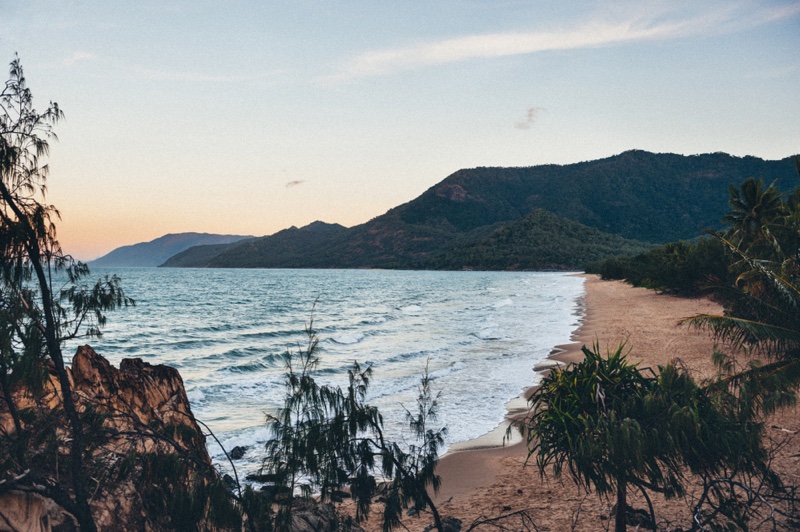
(391,386)
(196,396)
(241,438)
(489,333)
(348,338)
(251,439)
(411,309)
(503,303)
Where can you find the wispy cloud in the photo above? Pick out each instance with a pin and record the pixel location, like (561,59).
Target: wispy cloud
(587,34)
(294,183)
(77,57)
(530,118)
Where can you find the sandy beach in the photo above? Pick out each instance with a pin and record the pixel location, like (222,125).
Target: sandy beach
(491,481)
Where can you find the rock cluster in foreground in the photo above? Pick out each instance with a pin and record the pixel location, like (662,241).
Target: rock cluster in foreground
(143,447)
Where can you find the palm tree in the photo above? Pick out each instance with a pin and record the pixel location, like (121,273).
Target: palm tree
(754,208)
(762,321)
(762,315)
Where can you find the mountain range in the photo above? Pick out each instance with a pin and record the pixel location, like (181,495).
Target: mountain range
(539,217)
(155,252)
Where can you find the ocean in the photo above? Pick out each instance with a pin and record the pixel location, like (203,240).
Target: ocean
(225,330)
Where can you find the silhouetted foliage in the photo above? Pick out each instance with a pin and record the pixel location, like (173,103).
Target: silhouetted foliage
(62,446)
(43,298)
(326,438)
(612,426)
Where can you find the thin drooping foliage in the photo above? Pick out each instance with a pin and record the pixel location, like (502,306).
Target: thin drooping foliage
(613,427)
(44,299)
(70,452)
(325,439)
(412,470)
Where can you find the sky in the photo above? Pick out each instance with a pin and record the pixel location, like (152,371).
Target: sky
(247,117)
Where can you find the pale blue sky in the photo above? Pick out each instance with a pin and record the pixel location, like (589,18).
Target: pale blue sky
(249,117)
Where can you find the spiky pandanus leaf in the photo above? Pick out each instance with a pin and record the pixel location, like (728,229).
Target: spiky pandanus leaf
(614,426)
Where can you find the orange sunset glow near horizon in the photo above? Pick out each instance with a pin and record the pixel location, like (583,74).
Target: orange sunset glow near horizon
(250,117)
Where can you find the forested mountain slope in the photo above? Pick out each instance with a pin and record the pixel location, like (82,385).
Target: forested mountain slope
(539,241)
(636,195)
(639,195)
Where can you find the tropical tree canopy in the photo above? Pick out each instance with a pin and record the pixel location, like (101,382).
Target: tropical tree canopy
(612,426)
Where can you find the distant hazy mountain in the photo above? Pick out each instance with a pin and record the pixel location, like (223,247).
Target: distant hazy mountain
(156,251)
(274,251)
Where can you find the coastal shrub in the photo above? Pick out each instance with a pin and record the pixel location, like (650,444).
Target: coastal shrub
(613,427)
(686,268)
(327,438)
(753,266)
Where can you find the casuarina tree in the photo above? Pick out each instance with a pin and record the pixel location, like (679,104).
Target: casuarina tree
(43,298)
(326,438)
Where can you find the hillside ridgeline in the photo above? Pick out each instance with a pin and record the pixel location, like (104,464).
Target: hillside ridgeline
(155,252)
(640,196)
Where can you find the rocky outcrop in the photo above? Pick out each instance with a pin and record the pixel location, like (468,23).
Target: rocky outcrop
(313,517)
(144,449)
(138,395)
(33,513)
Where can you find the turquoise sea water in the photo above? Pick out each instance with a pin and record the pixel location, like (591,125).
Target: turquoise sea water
(224,330)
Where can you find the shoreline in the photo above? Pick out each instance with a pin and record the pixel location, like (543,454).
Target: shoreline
(468,466)
(498,482)
(515,408)
(489,480)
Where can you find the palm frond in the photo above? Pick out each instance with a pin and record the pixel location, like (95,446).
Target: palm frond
(783,286)
(740,332)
